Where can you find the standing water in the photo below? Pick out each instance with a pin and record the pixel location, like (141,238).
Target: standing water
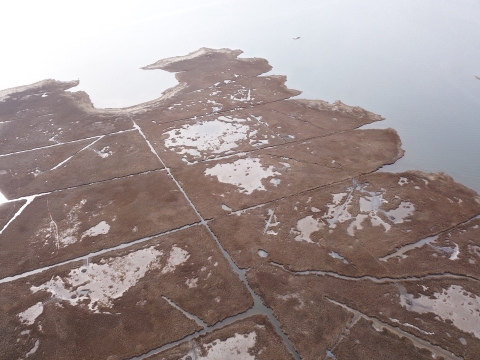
(413,63)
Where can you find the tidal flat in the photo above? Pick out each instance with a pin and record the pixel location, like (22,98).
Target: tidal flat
(225,220)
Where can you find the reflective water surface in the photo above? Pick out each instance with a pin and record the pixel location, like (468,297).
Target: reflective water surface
(413,63)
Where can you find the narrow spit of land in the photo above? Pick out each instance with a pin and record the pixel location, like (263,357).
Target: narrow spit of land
(225,221)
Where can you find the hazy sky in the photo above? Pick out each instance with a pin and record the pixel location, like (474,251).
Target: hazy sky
(98,41)
(413,62)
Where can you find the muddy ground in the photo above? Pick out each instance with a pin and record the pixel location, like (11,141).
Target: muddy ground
(225,220)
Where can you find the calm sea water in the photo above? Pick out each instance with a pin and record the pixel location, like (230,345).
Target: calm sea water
(412,62)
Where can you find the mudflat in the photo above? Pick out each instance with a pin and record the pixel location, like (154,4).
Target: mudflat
(225,220)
